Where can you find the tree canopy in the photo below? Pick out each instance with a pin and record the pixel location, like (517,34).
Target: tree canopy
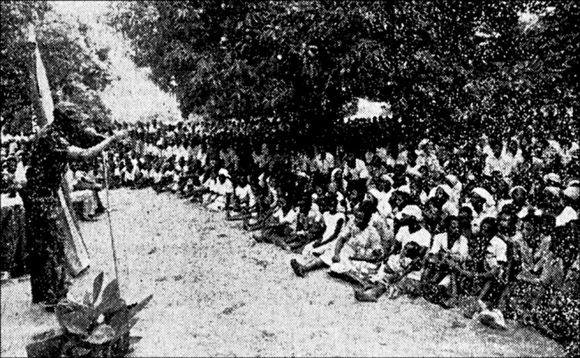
(447,66)
(77,69)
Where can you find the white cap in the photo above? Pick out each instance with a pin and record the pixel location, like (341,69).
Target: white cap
(413,210)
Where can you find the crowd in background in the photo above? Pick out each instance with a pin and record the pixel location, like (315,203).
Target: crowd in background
(488,224)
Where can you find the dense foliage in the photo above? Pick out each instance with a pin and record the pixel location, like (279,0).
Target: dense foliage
(76,69)
(448,67)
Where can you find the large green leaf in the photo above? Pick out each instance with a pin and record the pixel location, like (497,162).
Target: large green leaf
(134,310)
(111,300)
(77,321)
(97,285)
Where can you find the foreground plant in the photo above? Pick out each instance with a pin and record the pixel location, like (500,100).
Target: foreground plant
(89,329)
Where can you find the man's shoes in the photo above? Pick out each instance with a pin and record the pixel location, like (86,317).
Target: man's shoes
(362,296)
(297,267)
(493,319)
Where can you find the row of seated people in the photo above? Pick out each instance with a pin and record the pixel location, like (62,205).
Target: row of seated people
(417,233)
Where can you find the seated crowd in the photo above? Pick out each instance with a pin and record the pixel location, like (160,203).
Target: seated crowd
(489,226)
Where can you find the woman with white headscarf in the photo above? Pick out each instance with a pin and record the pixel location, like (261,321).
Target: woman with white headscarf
(482,205)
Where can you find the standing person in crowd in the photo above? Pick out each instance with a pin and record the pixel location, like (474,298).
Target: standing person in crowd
(57,144)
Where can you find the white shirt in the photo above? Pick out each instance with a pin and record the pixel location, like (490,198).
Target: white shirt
(223,188)
(290,218)
(383,206)
(421,237)
(20,174)
(492,164)
(567,215)
(459,247)
(496,252)
(331,221)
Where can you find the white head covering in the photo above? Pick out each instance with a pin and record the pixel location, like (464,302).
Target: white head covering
(413,210)
(334,171)
(404,189)
(572,192)
(388,178)
(489,200)
(553,190)
(517,187)
(224,172)
(552,177)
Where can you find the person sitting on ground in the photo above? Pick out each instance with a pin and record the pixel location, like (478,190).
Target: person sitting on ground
(488,276)
(280,225)
(482,205)
(433,217)
(267,202)
(334,221)
(403,259)
(541,267)
(310,225)
(82,199)
(358,250)
(157,177)
(448,249)
(128,174)
(243,200)
(222,190)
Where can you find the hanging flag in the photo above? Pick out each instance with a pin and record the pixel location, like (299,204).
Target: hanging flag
(40,79)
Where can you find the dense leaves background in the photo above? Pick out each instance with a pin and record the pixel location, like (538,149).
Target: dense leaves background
(76,69)
(448,67)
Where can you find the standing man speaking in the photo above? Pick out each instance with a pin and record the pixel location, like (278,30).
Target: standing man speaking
(57,143)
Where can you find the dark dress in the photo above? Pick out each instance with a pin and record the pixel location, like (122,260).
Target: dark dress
(46,259)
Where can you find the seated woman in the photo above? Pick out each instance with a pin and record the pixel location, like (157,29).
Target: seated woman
(86,180)
(358,250)
(482,205)
(221,191)
(82,199)
(280,225)
(334,221)
(402,269)
(128,174)
(541,267)
(156,175)
(192,180)
(434,217)
(142,180)
(242,200)
(448,249)
(310,225)
(487,274)
(267,203)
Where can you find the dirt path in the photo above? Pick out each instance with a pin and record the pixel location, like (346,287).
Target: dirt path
(218,294)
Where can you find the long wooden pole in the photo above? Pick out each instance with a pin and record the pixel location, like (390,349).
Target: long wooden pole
(106,175)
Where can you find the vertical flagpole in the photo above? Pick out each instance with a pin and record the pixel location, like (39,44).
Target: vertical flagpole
(106,174)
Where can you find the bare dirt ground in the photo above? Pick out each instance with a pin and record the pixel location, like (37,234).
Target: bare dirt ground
(216,293)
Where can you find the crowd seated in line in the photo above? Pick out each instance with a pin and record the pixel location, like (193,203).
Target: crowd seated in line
(490,226)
